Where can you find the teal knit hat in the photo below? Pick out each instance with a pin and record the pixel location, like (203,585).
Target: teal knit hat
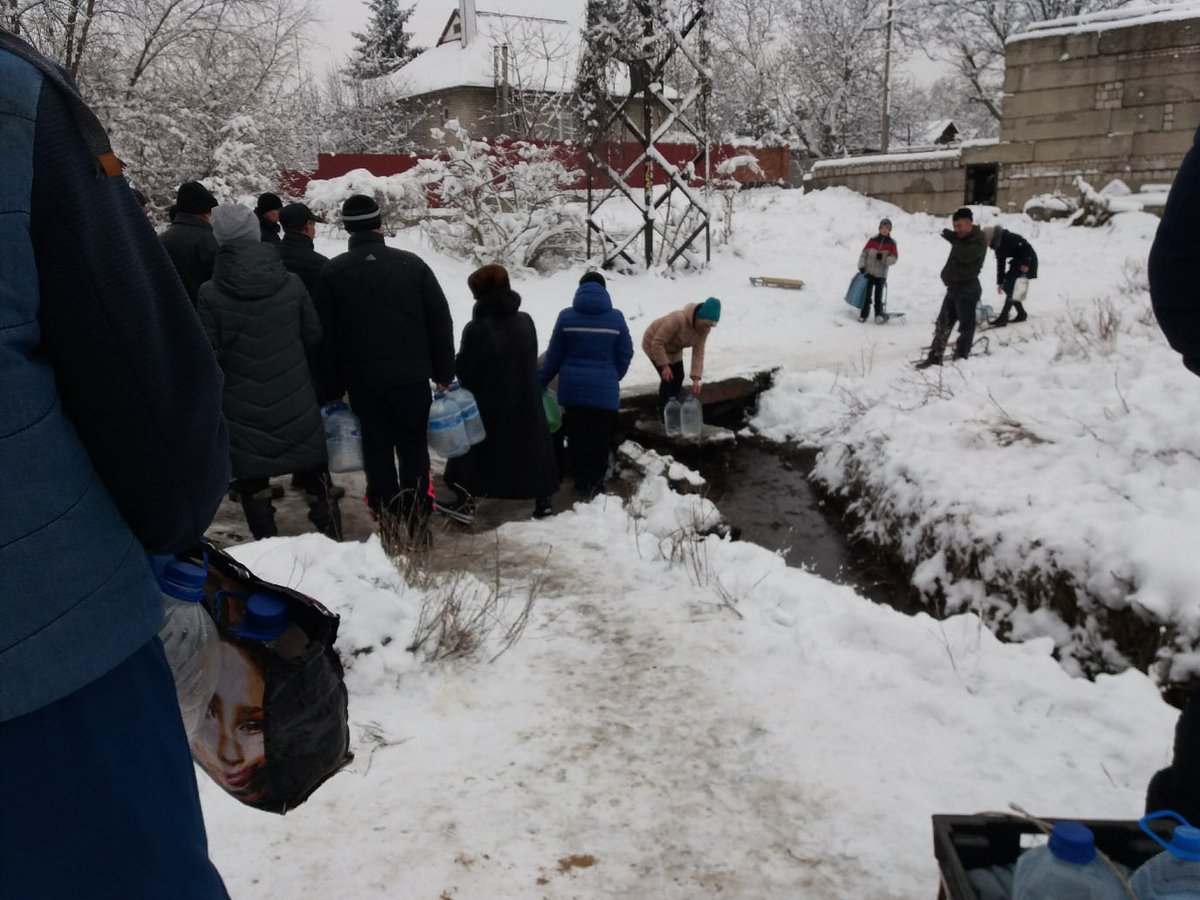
(710,309)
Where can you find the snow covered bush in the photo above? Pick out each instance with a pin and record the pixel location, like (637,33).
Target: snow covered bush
(401,198)
(501,204)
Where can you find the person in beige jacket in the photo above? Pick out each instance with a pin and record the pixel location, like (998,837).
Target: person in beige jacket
(666,338)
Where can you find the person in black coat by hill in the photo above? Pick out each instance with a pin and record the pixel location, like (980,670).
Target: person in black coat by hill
(1175,260)
(1022,262)
(296,250)
(497,362)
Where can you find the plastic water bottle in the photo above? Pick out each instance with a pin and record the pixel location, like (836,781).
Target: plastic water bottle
(671,418)
(446,430)
(472,421)
(266,619)
(1066,867)
(343,438)
(691,417)
(190,640)
(1173,874)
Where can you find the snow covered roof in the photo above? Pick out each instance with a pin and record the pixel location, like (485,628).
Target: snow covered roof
(1125,17)
(543,40)
(878,158)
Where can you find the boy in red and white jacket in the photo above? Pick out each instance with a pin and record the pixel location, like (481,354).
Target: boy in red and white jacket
(876,258)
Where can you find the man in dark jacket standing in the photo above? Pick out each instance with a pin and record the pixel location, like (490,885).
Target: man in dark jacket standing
(1022,262)
(960,275)
(263,327)
(387,333)
(112,445)
(189,239)
(267,211)
(1175,260)
(299,228)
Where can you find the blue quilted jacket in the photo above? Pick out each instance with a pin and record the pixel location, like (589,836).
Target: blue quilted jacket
(111,437)
(590,350)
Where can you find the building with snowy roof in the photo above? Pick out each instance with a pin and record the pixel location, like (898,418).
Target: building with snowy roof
(1106,96)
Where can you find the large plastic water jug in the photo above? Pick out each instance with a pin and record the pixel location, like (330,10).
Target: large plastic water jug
(447,433)
(1066,867)
(189,638)
(691,418)
(671,418)
(472,421)
(1173,874)
(343,438)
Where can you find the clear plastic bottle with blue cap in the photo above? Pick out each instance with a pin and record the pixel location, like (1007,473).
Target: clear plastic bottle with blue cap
(472,421)
(266,619)
(447,434)
(1173,874)
(189,638)
(343,438)
(1067,866)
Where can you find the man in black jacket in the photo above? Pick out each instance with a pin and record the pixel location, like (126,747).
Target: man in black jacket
(189,240)
(960,275)
(1022,263)
(267,209)
(299,228)
(1175,260)
(387,332)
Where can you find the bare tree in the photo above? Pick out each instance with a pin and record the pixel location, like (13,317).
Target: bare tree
(754,94)
(972,34)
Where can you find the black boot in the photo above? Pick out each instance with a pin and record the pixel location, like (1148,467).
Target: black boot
(1021,317)
(260,514)
(1002,319)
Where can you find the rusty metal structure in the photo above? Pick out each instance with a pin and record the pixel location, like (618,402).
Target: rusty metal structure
(660,47)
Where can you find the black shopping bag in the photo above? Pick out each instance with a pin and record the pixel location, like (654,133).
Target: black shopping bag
(278,725)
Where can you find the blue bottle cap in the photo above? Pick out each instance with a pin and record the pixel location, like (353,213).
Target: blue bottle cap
(1185,843)
(1073,842)
(183,581)
(266,618)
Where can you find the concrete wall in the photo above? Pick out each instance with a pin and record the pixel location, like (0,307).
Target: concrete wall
(1119,103)
(922,184)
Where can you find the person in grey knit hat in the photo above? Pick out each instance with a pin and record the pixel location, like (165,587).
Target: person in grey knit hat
(264,329)
(234,222)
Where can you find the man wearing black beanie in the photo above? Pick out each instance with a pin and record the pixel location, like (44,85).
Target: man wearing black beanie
(189,239)
(267,209)
(388,332)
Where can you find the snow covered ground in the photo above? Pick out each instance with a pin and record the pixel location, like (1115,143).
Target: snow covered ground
(690,717)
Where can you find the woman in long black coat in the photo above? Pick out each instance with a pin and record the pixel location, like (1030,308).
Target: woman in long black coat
(497,362)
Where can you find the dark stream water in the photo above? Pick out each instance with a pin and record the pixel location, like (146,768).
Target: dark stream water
(764,495)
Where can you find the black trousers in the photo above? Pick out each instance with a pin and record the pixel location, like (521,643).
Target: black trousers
(672,388)
(589,441)
(958,306)
(874,290)
(394,424)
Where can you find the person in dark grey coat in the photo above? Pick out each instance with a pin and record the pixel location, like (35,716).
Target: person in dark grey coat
(960,275)
(497,362)
(1022,262)
(297,249)
(262,325)
(189,239)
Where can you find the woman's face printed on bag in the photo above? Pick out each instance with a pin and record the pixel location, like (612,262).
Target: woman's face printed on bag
(229,742)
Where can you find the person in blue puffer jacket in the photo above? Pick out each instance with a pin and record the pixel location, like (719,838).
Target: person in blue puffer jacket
(590,351)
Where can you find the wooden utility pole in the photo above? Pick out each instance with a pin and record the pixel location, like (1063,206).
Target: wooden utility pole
(886,127)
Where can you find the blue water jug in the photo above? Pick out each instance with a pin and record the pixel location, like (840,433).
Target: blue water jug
(447,434)
(671,418)
(1066,867)
(472,421)
(189,639)
(1173,874)
(691,418)
(343,438)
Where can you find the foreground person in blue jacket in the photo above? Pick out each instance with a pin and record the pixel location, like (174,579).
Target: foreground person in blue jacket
(112,444)
(590,351)
(1174,257)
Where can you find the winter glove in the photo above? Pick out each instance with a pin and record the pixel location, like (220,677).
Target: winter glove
(862,271)
(948,233)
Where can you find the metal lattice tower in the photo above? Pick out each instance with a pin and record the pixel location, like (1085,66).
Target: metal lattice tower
(666,53)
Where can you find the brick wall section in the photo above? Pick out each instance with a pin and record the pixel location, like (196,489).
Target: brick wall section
(935,186)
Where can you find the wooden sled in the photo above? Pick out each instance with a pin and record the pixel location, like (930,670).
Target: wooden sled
(792,284)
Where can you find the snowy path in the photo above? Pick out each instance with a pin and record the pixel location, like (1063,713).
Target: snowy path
(643,741)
